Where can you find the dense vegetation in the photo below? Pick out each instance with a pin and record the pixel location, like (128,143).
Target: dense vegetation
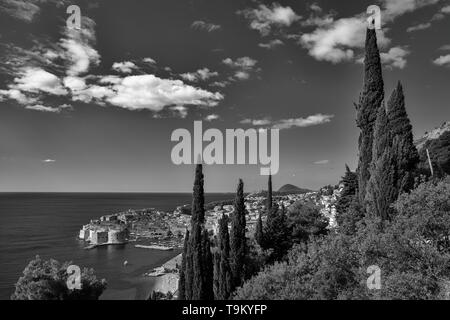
(47,280)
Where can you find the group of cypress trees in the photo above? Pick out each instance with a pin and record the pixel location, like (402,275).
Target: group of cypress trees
(204,276)
(387,155)
(276,233)
(196,274)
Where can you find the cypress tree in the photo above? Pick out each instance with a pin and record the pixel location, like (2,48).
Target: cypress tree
(277,233)
(259,236)
(197,263)
(369,102)
(237,237)
(223,276)
(198,199)
(381,191)
(208,268)
(269,194)
(216,286)
(182,279)
(198,259)
(403,148)
(350,182)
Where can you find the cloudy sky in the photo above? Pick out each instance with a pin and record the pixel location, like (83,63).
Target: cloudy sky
(93,109)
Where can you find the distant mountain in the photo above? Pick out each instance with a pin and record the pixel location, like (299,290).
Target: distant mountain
(289,188)
(437,141)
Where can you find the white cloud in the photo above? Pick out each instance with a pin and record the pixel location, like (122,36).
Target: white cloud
(149,60)
(322,162)
(221,84)
(181,110)
(445,47)
(78,49)
(242,62)
(20,9)
(124,67)
(74,83)
(311,120)
(264,18)
(443,61)
(200,74)
(242,75)
(315,7)
(39,107)
(421,26)
(36,79)
(395,8)
(271,44)
(153,93)
(395,57)
(257,122)
(17,95)
(212,117)
(336,42)
(244,66)
(202,25)
(446,9)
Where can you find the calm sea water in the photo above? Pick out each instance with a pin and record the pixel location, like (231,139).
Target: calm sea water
(47,224)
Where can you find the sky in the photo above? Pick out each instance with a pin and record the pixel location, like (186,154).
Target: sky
(93,109)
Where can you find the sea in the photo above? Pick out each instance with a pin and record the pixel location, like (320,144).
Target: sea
(47,224)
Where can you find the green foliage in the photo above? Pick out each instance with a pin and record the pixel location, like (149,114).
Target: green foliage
(369,102)
(411,250)
(237,237)
(347,197)
(47,280)
(157,295)
(349,220)
(222,275)
(425,212)
(404,151)
(198,261)
(183,271)
(277,234)
(269,194)
(259,235)
(305,221)
(381,191)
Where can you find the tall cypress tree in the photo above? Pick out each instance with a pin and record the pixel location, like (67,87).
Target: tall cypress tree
(259,235)
(350,182)
(381,191)
(208,268)
(237,237)
(277,233)
(403,148)
(198,258)
(369,102)
(183,271)
(269,194)
(223,276)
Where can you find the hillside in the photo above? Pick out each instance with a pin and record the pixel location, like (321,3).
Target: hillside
(437,141)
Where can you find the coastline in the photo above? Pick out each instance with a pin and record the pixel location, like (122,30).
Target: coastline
(140,287)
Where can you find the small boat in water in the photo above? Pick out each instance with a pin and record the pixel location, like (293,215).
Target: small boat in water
(125,263)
